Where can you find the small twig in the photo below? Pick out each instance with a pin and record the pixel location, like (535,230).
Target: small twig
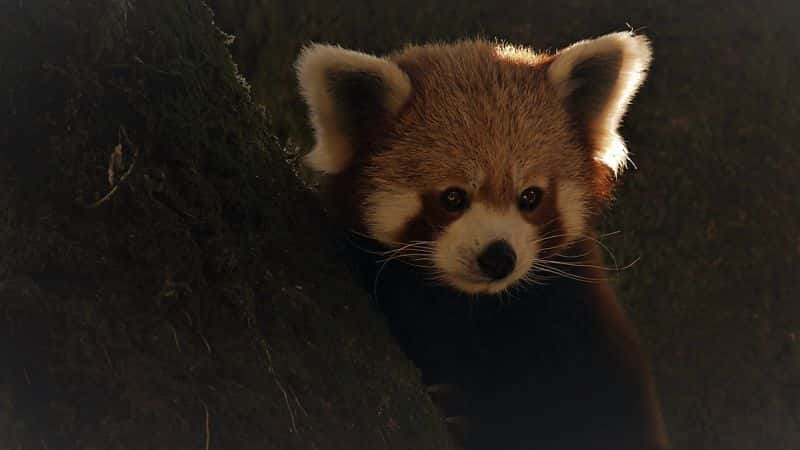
(114,163)
(278,383)
(205,341)
(208,426)
(104,198)
(286,399)
(175,336)
(297,400)
(115,159)
(27,378)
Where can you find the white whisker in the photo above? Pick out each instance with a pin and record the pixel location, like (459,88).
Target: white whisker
(572,276)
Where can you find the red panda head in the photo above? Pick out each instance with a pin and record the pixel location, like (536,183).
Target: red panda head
(475,159)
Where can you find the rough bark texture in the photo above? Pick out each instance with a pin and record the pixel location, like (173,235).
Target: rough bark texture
(165,280)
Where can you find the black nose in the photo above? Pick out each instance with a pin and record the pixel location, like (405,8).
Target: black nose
(497,260)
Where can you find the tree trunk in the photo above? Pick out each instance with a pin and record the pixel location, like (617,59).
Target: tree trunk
(165,280)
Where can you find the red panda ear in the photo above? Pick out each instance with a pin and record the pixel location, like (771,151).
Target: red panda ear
(347,93)
(595,80)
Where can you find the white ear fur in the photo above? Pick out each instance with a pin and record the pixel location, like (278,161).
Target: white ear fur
(627,53)
(315,67)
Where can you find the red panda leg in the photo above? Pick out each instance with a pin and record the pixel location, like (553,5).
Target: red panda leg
(623,353)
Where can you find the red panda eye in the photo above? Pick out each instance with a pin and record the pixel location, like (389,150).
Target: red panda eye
(454,199)
(529,198)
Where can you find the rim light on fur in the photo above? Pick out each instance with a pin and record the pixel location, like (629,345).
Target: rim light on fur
(636,56)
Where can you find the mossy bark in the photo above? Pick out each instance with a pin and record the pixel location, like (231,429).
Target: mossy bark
(165,280)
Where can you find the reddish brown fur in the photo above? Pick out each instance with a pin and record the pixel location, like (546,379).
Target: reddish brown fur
(547,216)
(471,110)
(619,332)
(430,222)
(485,118)
(475,115)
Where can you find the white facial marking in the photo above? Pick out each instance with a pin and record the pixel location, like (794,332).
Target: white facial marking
(457,249)
(572,207)
(387,212)
(334,149)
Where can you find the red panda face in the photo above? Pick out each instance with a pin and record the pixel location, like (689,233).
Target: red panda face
(476,161)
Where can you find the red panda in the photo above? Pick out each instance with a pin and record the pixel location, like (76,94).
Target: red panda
(470,174)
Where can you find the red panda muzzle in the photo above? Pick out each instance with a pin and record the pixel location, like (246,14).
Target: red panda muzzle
(497,261)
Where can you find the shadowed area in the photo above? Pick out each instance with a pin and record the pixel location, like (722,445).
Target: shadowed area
(166,281)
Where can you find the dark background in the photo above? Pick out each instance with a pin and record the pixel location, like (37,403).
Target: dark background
(710,213)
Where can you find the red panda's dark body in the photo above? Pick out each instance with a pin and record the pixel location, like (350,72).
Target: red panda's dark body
(555,366)
(470,175)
